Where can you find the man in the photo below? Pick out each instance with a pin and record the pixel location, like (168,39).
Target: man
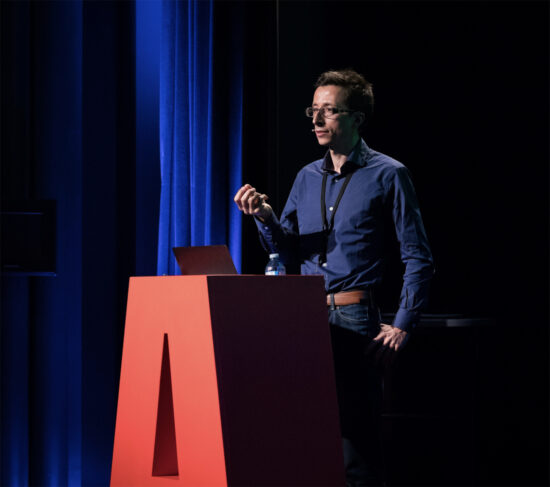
(336,223)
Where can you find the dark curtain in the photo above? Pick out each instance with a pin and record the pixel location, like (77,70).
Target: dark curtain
(100,100)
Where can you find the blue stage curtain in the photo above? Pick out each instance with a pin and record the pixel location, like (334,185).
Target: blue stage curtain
(200,129)
(69,96)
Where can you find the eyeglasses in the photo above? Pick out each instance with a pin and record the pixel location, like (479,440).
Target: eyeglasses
(325,112)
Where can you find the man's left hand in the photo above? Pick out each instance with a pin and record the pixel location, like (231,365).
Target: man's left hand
(385,347)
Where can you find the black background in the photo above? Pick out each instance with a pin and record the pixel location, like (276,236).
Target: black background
(461,98)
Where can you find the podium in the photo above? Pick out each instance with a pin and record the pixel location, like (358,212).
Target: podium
(227,380)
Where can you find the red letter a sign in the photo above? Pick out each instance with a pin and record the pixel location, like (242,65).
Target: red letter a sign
(168,429)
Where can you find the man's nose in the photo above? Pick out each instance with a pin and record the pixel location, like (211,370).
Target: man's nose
(318,118)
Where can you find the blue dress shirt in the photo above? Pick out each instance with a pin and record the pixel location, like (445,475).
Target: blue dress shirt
(380,191)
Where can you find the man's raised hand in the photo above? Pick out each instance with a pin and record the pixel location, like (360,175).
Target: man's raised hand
(250,202)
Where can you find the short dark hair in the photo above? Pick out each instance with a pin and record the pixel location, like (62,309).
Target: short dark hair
(359,95)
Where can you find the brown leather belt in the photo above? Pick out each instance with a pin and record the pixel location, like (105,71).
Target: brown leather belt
(348,297)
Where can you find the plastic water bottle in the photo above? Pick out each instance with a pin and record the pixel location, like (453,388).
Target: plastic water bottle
(275,267)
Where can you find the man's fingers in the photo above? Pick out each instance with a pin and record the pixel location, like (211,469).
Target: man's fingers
(241,191)
(385,347)
(260,200)
(376,342)
(239,195)
(382,350)
(246,199)
(252,201)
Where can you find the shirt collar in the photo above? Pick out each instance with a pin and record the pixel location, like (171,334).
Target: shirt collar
(358,157)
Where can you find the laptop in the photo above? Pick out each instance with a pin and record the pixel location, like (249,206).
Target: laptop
(209,259)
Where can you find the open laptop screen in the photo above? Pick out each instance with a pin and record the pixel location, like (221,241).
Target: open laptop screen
(209,259)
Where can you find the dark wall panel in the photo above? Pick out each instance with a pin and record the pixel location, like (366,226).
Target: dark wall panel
(109,218)
(461,99)
(68,81)
(55,141)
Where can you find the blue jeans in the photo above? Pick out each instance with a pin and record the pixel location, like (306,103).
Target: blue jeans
(359,318)
(359,389)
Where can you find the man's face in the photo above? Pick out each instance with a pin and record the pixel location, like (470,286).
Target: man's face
(339,132)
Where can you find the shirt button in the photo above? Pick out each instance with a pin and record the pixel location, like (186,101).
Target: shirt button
(331,208)
(324,264)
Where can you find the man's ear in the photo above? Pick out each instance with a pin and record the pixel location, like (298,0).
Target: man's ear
(359,118)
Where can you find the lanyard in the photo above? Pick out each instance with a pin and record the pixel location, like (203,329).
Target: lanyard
(328,226)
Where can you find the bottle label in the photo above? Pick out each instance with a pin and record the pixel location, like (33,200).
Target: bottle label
(272,273)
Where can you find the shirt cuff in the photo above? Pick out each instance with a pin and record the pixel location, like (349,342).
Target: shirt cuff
(265,230)
(266,225)
(405,319)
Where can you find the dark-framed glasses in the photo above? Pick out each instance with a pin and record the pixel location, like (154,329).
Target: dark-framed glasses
(325,112)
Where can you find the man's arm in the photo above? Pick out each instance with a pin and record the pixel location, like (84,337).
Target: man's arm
(275,236)
(415,252)
(417,257)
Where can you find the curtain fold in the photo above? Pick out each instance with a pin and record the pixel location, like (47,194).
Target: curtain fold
(200,129)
